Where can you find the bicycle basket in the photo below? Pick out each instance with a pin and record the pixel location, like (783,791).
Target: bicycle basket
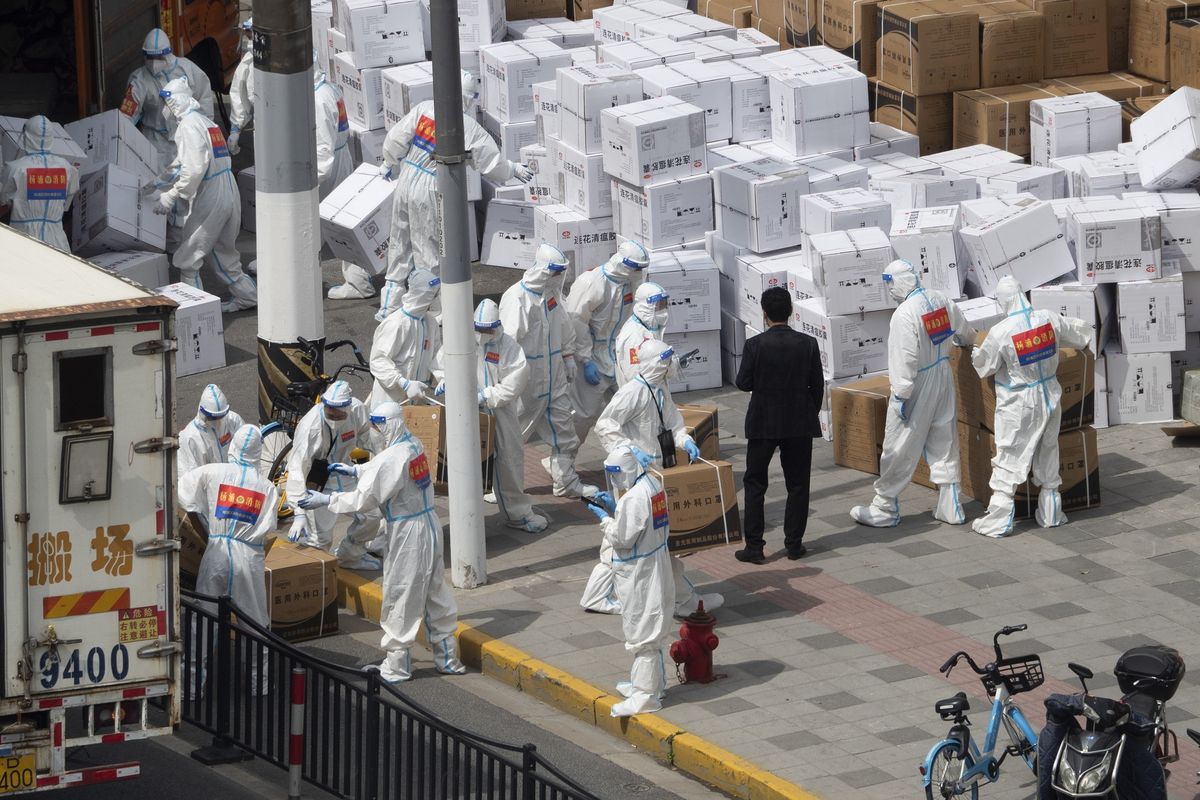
(1019,674)
(288,417)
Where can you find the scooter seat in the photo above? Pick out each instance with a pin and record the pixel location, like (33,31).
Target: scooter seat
(952,706)
(1142,703)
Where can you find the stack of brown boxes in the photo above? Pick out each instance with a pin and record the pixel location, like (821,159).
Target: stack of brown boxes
(733,12)
(792,23)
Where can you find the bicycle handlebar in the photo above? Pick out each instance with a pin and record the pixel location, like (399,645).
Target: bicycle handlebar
(362,361)
(952,662)
(1007,630)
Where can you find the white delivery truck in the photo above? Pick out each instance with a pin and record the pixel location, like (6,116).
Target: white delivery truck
(90,581)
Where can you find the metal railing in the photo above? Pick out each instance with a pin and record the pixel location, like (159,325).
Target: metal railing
(361,738)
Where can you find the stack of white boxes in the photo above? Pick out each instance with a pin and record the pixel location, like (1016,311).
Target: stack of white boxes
(694,330)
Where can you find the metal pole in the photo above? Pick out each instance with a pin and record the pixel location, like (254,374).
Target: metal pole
(468,555)
(370,750)
(296,740)
(288,237)
(222,750)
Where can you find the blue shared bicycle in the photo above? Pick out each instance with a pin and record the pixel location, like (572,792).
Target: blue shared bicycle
(956,766)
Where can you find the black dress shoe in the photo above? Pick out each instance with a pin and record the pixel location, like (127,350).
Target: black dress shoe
(798,553)
(750,556)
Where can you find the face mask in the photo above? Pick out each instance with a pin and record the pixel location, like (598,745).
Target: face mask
(617,480)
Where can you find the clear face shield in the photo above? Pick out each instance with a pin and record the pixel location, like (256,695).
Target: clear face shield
(617,479)
(659,309)
(485,333)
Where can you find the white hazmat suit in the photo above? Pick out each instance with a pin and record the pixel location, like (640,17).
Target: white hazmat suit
(326,436)
(399,482)
(637,536)
(1022,352)
(503,375)
(600,302)
(408,159)
(241,92)
(922,414)
(531,312)
(202,198)
(142,102)
(205,440)
(39,186)
(404,350)
(238,506)
(648,321)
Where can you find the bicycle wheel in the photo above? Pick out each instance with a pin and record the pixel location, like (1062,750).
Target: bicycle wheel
(277,446)
(1027,749)
(946,768)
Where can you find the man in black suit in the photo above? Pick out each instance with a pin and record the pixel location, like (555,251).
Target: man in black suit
(781,368)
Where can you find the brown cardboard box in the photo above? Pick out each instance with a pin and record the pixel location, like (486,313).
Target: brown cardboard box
(976,448)
(1113,85)
(701,421)
(924,50)
(998,116)
(192,540)
(582,9)
(859,414)
(930,117)
(1185,53)
(1012,40)
(427,423)
(1118,35)
(779,34)
(851,27)
(797,17)
(1076,376)
(734,12)
(1150,34)
(1076,37)
(302,590)
(1133,108)
(701,505)
(534,9)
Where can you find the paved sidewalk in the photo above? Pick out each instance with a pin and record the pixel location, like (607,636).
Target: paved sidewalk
(831,662)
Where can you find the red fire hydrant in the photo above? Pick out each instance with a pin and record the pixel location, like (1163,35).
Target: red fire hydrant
(695,647)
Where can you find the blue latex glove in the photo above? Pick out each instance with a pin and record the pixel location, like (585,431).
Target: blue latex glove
(692,450)
(901,407)
(338,468)
(605,499)
(386,172)
(440,390)
(643,458)
(598,512)
(313,499)
(591,373)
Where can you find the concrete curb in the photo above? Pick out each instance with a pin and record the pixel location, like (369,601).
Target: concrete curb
(651,733)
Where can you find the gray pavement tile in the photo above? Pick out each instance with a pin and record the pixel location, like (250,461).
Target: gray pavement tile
(835,701)
(728,705)
(988,580)
(1082,569)
(586,641)
(1186,590)
(540,589)
(1106,527)
(762,668)
(1185,561)
(882,585)
(918,549)
(900,672)
(1123,643)
(1059,610)
(825,641)
(953,616)
(900,736)
(861,778)
(1087,545)
(1172,528)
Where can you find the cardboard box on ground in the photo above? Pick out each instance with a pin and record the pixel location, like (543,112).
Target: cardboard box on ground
(428,424)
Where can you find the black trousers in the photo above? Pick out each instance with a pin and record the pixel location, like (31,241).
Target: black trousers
(795,455)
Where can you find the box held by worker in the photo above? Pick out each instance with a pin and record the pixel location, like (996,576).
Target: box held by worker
(700,501)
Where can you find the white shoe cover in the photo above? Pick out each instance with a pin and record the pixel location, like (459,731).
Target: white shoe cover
(533,523)
(445,657)
(647,684)
(490,498)
(234,305)
(882,513)
(949,509)
(344,291)
(1049,511)
(998,521)
(396,667)
(625,688)
(363,562)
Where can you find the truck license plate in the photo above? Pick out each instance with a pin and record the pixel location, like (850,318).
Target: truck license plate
(17,773)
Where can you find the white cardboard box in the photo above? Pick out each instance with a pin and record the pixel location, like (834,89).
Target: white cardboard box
(480,22)
(669,212)
(1115,244)
(1191,301)
(508,235)
(148,269)
(510,136)
(819,109)
(684,27)
(509,71)
(758,204)
(618,23)
(61,144)
(582,182)
(1044,183)
(644,53)
(654,139)
(382,32)
(977,212)
(704,369)
(587,242)
(750,98)
(733,333)
(760,41)
(924,191)
(1107,173)
(726,154)
(802,286)
(545,111)
(721,49)
(1072,125)
(1151,316)
(884,139)
(1025,243)
(756,274)
(691,280)
(851,344)
(356,219)
(583,92)
(847,268)
(981,312)
(1139,387)
(247,193)
(844,209)
(199,329)
(924,237)
(111,138)
(110,214)
(724,254)
(366,147)
(1167,138)
(703,85)
(895,165)
(362,90)
(1179,213)
(1095,304)
(404,87)
(543,189)
(565,33)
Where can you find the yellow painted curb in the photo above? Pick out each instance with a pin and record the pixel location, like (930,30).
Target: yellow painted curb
(651,733)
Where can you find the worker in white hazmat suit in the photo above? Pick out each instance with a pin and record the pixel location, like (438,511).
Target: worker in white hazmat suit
(238,506)
(39,186)
(404,350)
(503,375)
(205,440)
(334,165)
(921,417)
(408,159)
(635,416)
(201,197)
(144,105)
(637,534)
(241,91)
(324,439)
(531,312)
(399,482)
(1022,352)
(600,302)
(648,321)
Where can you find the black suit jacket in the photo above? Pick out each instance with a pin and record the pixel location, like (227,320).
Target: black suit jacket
(781,368)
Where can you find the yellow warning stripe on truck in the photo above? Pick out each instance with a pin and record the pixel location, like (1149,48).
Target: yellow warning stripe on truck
(74,605)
